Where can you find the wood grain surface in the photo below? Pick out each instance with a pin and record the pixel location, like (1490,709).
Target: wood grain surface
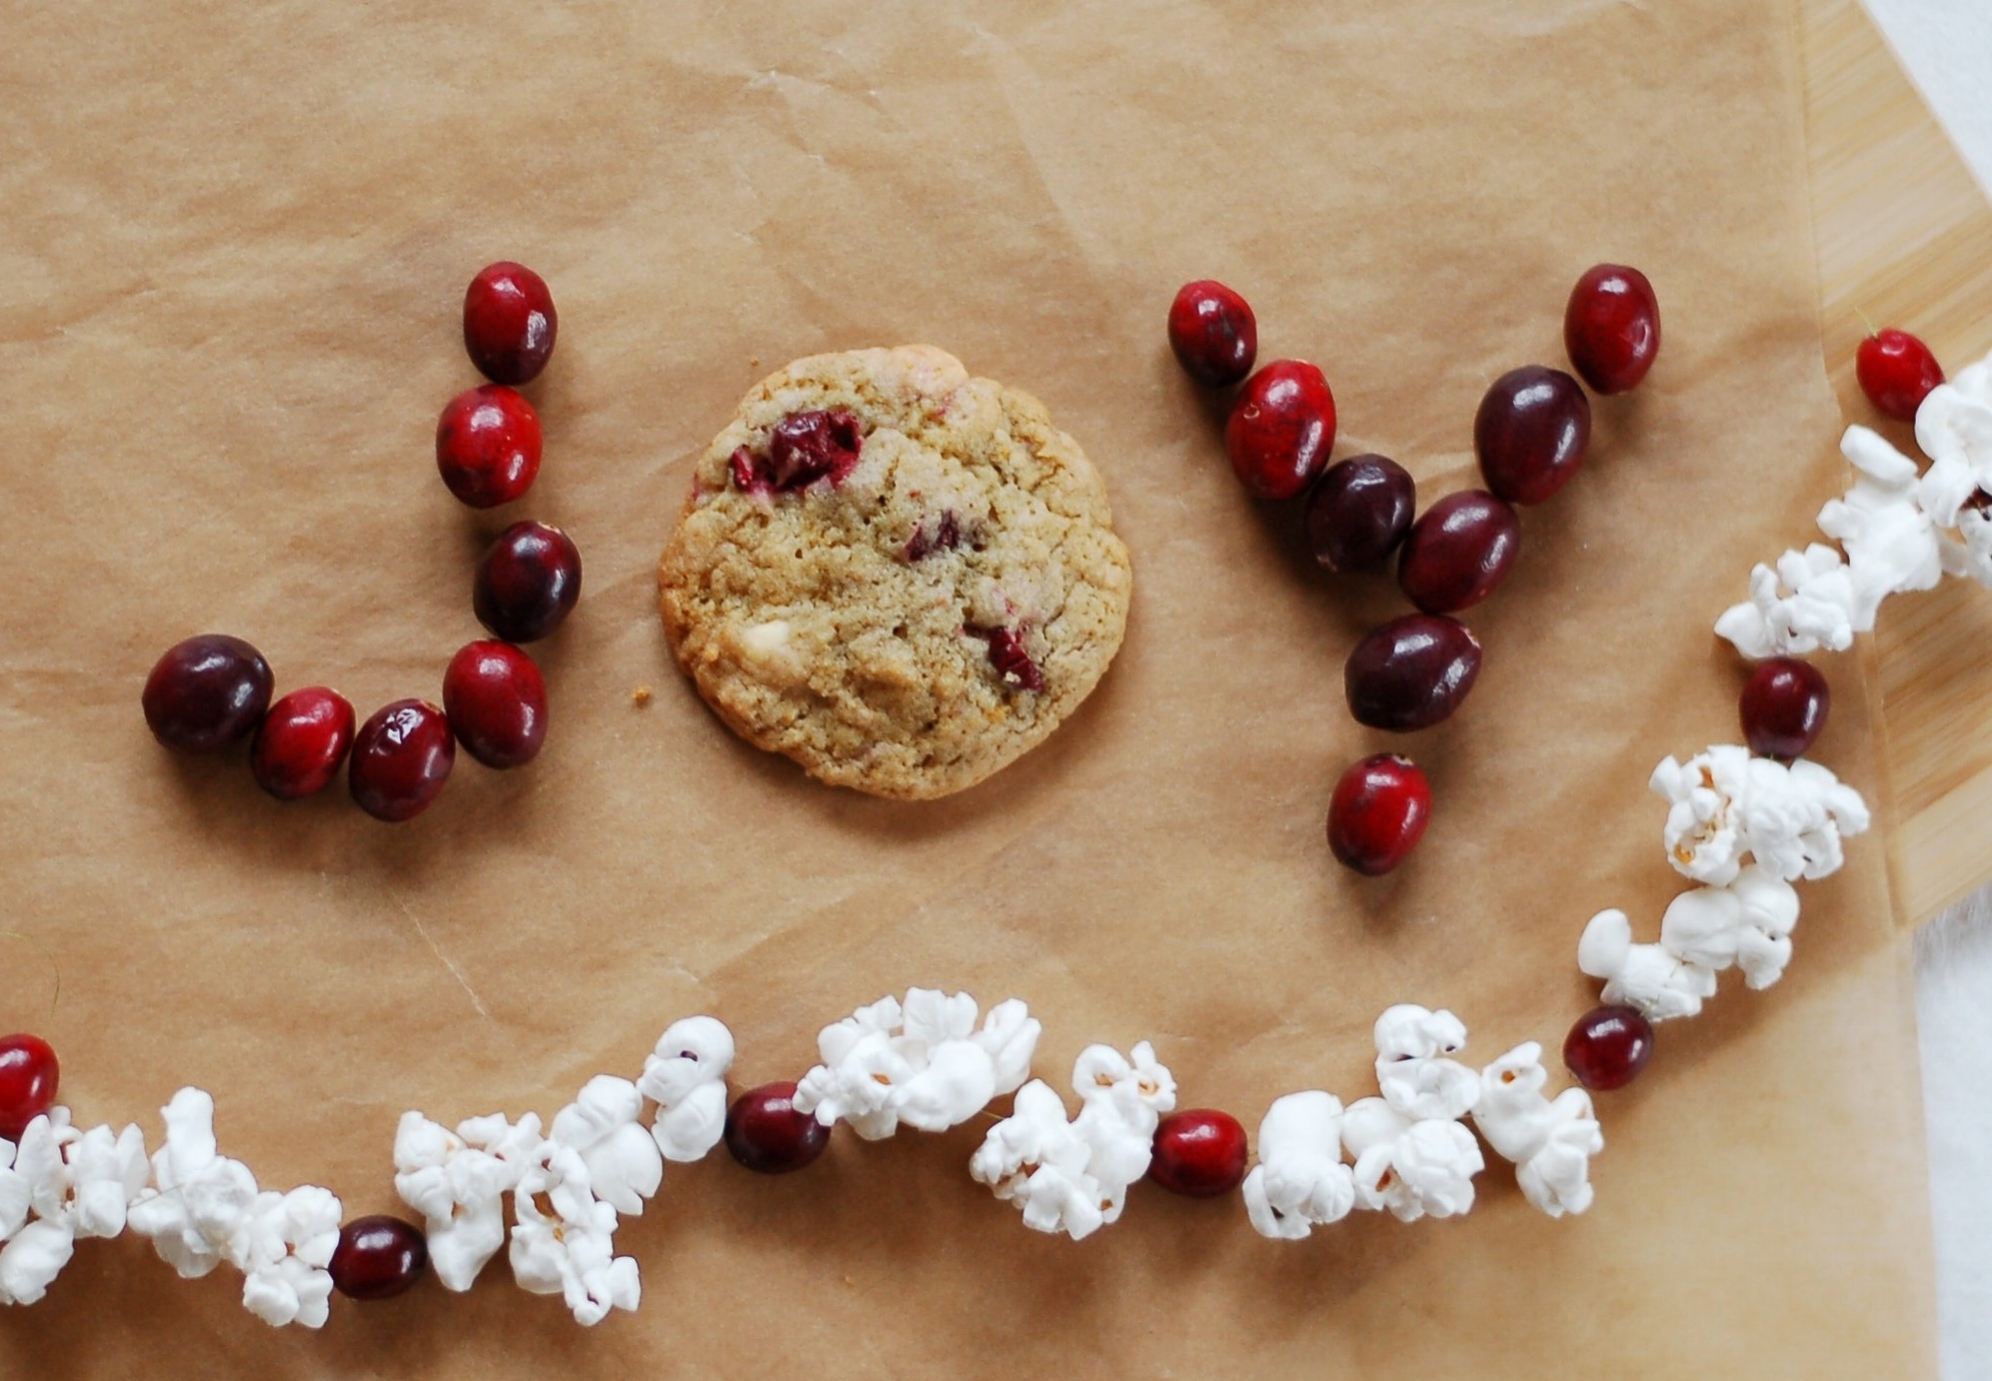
(1905,236)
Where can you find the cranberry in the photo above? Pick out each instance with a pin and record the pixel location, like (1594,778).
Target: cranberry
(1411,673)
(496,702)
(1359,512)
(488,445)
(1199,1153)
(804,447)
(1897,372)
(28,1076)
(378,1258)
(766,1134)
(301,743)
(1010,658)
(401,758)
(1531,432)
(1608,1047)
(1378,813)
(1213,332)
(527,582)
(1612,327)
(1281,429)
(509,323)
(945,536)
(1784,707)
(1459,551)
(206,693)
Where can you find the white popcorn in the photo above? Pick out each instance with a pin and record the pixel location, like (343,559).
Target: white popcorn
(1808,601)
(457,1182)
(1412,1166)
(31,1260)
(1073,1177)
(1954,421)
(283,1248)
(564,1241)
(1035,1159)
(624,1163)
(106,1173)
(200,1199)
(1416,1079)
(1300,1181)
(1652,978)
(1726,804)
(925,1064)
(1550,1142)
(686,1077)
(1747,924)
(1890,542)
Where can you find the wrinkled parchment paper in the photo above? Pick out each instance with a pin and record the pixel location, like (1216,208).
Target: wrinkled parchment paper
(234,249)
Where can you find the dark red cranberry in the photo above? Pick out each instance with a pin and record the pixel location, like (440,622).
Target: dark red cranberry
(1532,432)
(927,539)
(1281,430)
(1411,673)
(1199,1153)
(1378,813)
(1359,512)
(301,743)
(206,693)
(28,1078)
(488,445)
(1008,655)
(378,1258)
(527,582)
(1612,327)
(496,702)
(804,447)
(1784,707)
(509,323)
(1608,1047)
(1897,372)
(1213,332)
(1459,551)
(766,1134)
(401,758)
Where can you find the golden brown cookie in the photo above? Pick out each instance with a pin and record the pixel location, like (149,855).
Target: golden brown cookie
(901,577)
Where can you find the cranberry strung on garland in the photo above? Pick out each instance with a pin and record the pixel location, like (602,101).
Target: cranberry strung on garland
(1608,1047)
(1199,1153)
(1896,371)
(207,693)
(1281,430)
(495,700)
(378,1257)
(1359,513)
(766,1134)
(1611,328)
(302,743)
(402,758)
(488,446)
(1784,705)
(1213,332)
(509,323)
(29,1075)
(1379,813)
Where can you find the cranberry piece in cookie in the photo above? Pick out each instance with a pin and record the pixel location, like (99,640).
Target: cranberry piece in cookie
(1010,658)
(804,447)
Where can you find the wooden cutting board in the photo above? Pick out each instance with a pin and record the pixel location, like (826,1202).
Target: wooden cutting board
(1904,234)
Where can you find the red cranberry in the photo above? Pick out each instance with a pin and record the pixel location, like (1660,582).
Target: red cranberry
(1459,551)
(1897,372)
(378,1258)
(1010,658)
(1281,430)
(1532,432)
(509,323)
(1213,332)
(1359,512)
(1411,673)
(527,582)
(1378,813)
(301,743)
(206,693)
(765,1133)
(1608,1047)
(28,1077)
(1612,327)
(401,758)
(496,702)
(1199,1153)
(1784,707)
(488,445)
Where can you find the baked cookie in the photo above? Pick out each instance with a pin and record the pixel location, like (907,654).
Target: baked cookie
(901,577)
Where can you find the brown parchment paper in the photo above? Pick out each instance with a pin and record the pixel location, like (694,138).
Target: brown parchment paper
(232,246)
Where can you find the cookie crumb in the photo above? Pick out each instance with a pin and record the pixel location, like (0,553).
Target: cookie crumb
(753,361)
(640,696)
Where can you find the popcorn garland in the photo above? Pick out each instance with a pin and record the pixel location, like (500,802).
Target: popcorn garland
(1744,828)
